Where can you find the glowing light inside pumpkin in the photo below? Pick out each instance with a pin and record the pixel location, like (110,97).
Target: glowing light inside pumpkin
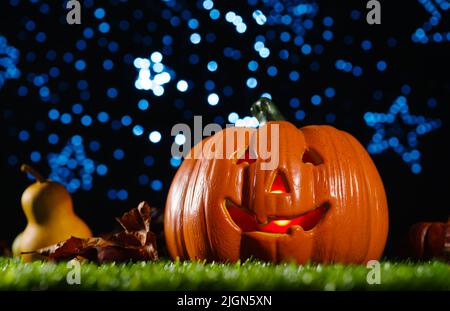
(281,222)
(277,191)
(278,186)
(247,221)
(306,221)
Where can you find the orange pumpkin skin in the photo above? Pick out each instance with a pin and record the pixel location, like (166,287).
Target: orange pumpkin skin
(352,230)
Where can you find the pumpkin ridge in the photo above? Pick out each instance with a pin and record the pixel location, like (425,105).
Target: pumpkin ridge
(376,195)
(174,236)
(366,211)
(340,166)
(194,229)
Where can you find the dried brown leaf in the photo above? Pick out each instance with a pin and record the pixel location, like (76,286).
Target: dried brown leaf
(135,243)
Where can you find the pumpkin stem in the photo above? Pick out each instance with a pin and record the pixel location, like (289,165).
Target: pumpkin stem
(265,110)
(28,169)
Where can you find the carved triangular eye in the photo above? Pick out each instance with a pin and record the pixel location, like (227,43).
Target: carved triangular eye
(312,156)
(279,185)
(246,158)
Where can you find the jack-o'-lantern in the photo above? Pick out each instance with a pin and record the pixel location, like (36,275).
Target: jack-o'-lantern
(323,201)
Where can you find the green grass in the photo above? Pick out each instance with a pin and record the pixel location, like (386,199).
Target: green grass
(251,275)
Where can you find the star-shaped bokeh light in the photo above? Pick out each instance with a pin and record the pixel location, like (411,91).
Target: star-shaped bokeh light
(390,132)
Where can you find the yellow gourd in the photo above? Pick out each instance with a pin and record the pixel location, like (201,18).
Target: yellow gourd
(49,211)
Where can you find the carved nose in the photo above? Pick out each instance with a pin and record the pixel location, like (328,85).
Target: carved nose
(279,184)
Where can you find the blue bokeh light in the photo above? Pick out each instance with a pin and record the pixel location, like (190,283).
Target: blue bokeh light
(156,185)
(213,99)
(155,137)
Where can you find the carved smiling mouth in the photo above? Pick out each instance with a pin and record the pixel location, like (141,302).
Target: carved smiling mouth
(245,220)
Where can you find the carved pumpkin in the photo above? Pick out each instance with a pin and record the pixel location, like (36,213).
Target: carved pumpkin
(323,202)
